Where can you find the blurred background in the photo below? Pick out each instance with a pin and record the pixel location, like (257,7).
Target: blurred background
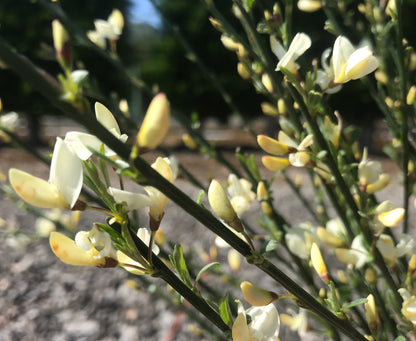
(152,48)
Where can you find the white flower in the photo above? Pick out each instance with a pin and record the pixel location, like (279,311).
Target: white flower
(300,43)
(357,255)
(82,143)
(349,63)
(90,248)
(133,201)
(299,240)
(264,325)
(241,194)
(408,305)
(65,181)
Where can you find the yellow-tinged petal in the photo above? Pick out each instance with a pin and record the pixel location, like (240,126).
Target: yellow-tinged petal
(328,238)
(116,19)
(155,124)
(257,296)
(36,191)
(106,118)
(134,268)
(318,263)
(68,252)
(275,163)
(391,218)
(240,331)
(220,203)
(272,146)
(381,183)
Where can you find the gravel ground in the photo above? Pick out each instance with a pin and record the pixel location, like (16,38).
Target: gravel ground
(43,299)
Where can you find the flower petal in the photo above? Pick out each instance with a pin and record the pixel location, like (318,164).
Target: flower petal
(36,191)
(66,172)
(68,252)
(106,118)
(133,201)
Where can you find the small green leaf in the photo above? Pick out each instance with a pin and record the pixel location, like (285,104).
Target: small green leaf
(270,245)
(400,338)
(200,196)
(205,268)
(225,311)
(354,303)
(179,263)
(248,4)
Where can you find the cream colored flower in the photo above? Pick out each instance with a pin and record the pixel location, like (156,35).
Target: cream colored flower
(241,195)
(350,63)
(357,255)
(300,43)
(90,248)
(83,143)
(65,181)
(264,325)
(408,305)
(299,240)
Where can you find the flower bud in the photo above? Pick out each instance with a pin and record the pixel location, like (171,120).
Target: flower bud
(411,95)
(318,263)
(155,124)
(243,71)
(256,296)
(189,141)
(265,79)
(61,43)
(221,205)
(309,5)
(371,314)
(234,259)
(269,109)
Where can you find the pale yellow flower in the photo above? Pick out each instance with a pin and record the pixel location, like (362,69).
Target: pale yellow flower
(65,181)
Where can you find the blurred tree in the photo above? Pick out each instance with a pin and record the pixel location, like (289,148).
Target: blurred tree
(32,36)
(175,72)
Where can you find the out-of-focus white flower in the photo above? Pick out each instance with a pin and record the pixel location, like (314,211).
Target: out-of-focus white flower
(299,240)
(391,252)
(350,63)
(241,194)
(408,305)
(309,5)
(357,255)
(108,29)
(65,181)
(300,43)
(296,322)
(334,234)
(264,325)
